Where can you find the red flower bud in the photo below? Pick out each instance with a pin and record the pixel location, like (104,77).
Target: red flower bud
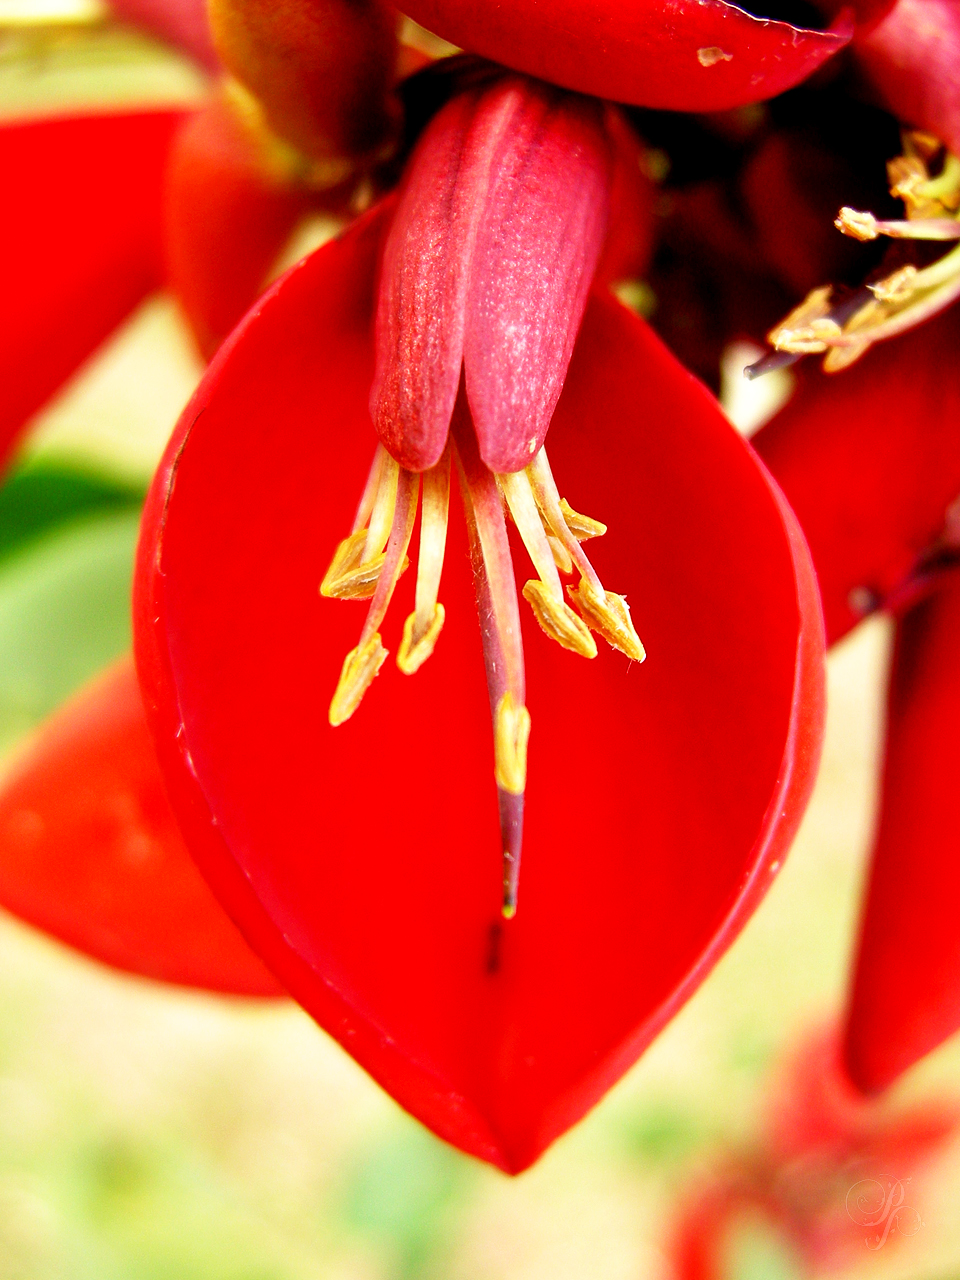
(487,268)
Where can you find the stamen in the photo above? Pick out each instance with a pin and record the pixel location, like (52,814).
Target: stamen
(549,502)
(561,556)
(499,615)
(360,666)
(511,733)
(358,560)
(864,226)
(545,597)
(609,615)
(423,627)
(364,662)
(370,489)
(558,620)
(603,611)
(582,527)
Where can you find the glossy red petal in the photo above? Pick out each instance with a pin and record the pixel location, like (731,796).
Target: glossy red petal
(363,862)
(906,992)
(912,56)
(870,461)
(541,231)
(90,852)
(680,55)
(182,23)
(226,219)
(80,237)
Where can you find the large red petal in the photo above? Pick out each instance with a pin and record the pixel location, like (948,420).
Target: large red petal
(80,235)
(906,993)
(679,55)
(90,852)
(870,461)
(364,862)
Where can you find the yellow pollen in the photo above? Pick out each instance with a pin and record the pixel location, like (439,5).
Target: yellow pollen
(582,527)
(511,732)
(558,620)
(415,650)
(609,615)
(360,666)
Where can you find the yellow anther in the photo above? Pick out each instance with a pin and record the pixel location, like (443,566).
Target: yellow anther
(561,556)
(360,666)
(558,620)
(415,650)
(609,615)
(807,328)
(582,527)
(511,732)
(897,287)
(861,226)
(349,577)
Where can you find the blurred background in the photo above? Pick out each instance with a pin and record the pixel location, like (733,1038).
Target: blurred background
(149,1133)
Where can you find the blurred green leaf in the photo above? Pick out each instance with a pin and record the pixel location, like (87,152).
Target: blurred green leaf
(64,614)
(41,494)
(401,1195)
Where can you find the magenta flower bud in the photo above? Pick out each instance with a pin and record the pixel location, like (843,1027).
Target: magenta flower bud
(487,268)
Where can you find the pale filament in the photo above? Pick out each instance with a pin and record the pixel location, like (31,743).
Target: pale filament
(368,563)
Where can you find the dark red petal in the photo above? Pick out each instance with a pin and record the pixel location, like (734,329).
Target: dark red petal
(80,237)
(422,297)
(870,461)
(322,70)
(226,218)
(542,227)
(906,993)
(912,55)
(90,852)
(363,862)
(681,55)
(182,23)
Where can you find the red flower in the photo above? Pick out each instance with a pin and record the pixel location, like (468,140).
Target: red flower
(871,464)
(831,1172)
(361,859)
(68,282)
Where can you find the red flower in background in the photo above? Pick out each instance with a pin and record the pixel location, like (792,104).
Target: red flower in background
(831,1173)
(870,462)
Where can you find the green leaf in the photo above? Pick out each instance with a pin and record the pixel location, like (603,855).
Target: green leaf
(44,493)
(64,614)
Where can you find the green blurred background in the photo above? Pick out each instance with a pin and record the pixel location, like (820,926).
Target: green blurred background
(148,1133)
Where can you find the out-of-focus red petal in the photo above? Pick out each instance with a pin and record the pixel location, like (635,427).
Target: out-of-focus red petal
(364,862)
(226,219)
(679,55)
(870,461)
(80,244)
(322,70)
(629,244)
(906,992)
(182,23)
(912,55)
(90,852)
